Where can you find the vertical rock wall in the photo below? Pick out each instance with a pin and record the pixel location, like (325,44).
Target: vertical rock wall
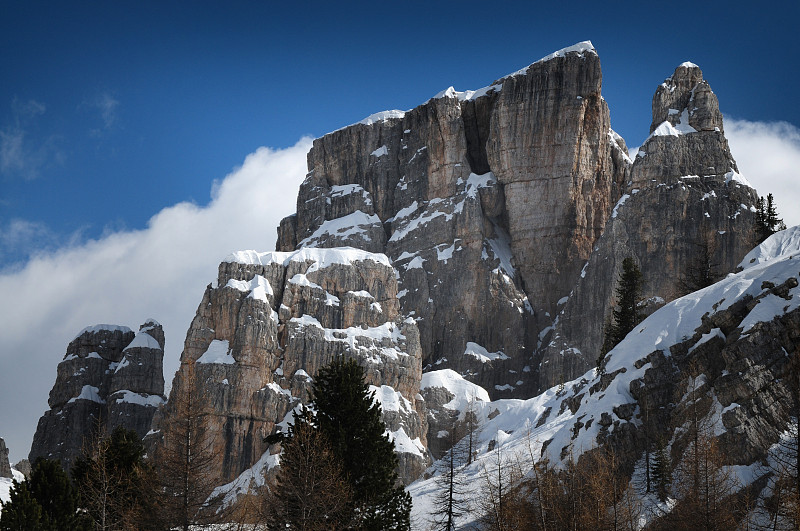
(272,322)
(109,377)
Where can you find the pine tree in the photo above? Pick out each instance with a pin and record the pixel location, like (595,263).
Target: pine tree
(47,501)
(450,502)
(701,270)
(767,221)
(625,316)
(22,512)
(351,421)
(662,471)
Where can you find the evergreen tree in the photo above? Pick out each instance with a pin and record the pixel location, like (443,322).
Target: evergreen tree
(450,501)
(767,221)
(351,421)
(22,512)
(701,271)
(662,471)
(625,316)
(47,501)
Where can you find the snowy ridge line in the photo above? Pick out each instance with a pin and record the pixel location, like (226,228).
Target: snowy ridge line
(102,328)
(468,95)
(522,427)
(354,337)
(322,258)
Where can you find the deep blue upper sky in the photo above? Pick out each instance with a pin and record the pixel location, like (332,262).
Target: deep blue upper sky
(110,111)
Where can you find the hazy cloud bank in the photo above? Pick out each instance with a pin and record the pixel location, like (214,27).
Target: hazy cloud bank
(126,277)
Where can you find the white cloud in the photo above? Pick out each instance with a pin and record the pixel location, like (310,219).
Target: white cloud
(126,277)
(19,154)
(768,155)
(107,105)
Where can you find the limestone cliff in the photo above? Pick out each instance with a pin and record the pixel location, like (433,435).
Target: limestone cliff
(109,377)
(5,466)
(684,204)
(271,322)
(488,203)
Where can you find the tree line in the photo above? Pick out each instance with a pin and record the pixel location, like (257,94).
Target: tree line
(338,471)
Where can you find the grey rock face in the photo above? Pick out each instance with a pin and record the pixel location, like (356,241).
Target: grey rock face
(5,466)
(685,198)
(487,204)
(109,377)
(272,322)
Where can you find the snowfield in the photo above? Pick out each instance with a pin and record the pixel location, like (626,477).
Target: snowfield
(516,430)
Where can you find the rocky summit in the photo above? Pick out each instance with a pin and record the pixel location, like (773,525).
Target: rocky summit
(466,251)
(109,377)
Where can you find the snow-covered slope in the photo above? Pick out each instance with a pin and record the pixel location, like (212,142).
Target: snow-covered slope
(706,327)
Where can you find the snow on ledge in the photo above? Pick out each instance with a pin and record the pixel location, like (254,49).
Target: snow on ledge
(143,340)
(217,352)
(88,392)
(483,355)
(322,258)
(102,328)
(581,47)
(462,390)
(785,242)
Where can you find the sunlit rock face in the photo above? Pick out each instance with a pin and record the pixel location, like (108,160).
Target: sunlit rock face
(272,321)
(684,208)
(488,203)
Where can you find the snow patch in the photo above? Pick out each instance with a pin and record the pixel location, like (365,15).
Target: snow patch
(483,355)
(217,352)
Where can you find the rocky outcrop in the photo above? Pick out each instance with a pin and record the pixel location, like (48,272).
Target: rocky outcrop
(488,203)
(685,208)
(721,360)
(272,322)
(109,377)
(5,466)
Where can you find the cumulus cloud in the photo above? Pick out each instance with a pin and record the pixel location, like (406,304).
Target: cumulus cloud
(128,276)
(768,155)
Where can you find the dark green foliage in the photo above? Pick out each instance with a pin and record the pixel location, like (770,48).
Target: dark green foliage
(701,271)
(767,220)
(352,424)
(22,512)
(46,501)
(114,483)
(625,315)
(662,471)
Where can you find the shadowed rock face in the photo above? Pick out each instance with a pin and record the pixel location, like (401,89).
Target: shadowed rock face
(274,320)
(5,466)
(488,204)
(684,197)
(109,377)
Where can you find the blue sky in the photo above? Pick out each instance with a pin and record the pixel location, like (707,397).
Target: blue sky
(134,134)
(111,111)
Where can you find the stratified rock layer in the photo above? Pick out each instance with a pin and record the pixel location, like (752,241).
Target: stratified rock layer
(487,202)
(272,322)
(109,377)
(685,201)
